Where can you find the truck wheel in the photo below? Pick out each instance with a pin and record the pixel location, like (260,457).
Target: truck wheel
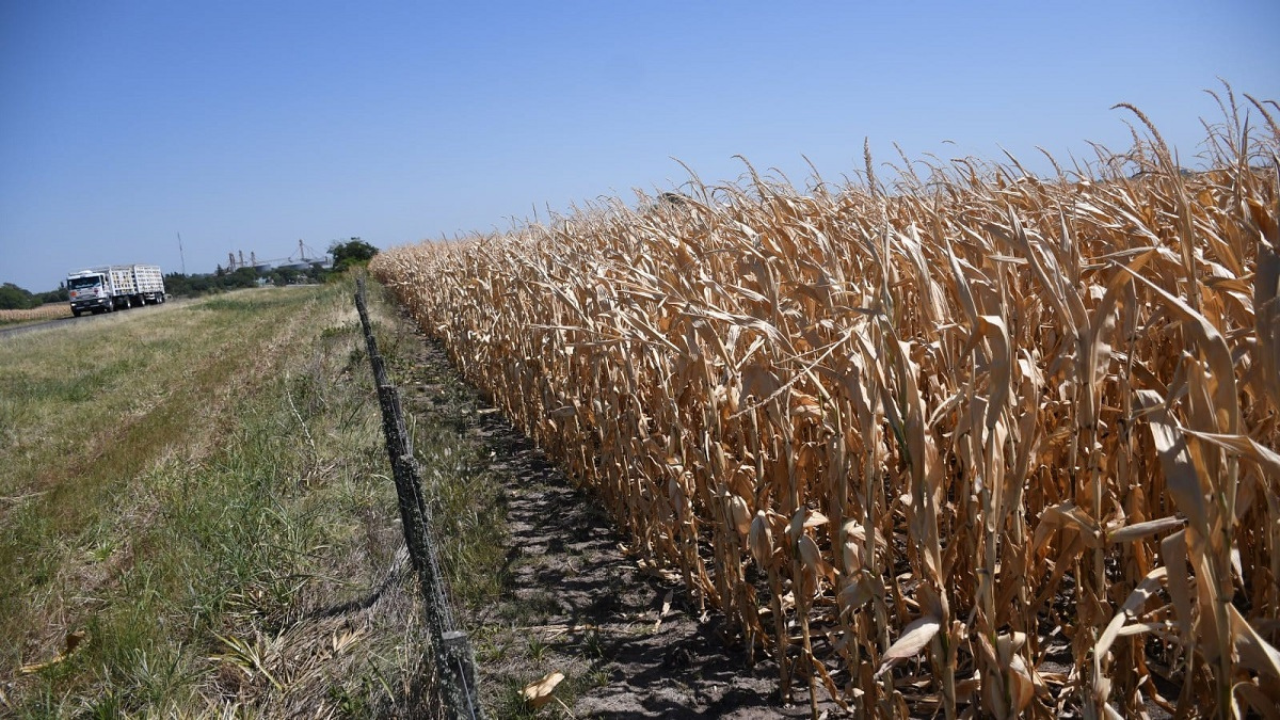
(75,311)
(109,307)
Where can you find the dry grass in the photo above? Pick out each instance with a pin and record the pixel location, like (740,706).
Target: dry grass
(52,311)
(973,441)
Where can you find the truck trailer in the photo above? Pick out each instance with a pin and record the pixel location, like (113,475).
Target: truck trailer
(116,287)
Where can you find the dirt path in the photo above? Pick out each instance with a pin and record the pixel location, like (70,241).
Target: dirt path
(573,602)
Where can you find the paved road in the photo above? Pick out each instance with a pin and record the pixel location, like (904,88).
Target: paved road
(8,332)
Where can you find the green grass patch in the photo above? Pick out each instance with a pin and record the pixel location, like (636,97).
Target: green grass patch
(199,491)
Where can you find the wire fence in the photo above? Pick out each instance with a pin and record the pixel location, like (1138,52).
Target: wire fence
(454,659)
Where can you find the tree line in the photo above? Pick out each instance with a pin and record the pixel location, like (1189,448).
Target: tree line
(345,255)
(13,297)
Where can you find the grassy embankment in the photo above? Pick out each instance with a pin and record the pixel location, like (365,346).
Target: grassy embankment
(199,493)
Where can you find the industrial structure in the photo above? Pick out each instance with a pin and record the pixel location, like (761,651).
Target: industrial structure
(304,259)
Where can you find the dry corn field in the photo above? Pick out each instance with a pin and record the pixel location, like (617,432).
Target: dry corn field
(967,442)
(52,311)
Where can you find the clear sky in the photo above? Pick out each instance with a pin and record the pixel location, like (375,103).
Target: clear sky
(248,125)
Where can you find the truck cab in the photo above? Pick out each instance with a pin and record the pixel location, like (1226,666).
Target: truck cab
(90,290)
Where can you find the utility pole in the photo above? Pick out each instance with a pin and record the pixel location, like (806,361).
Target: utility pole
(182,255)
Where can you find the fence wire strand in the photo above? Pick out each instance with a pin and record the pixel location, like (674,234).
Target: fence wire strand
(453,655)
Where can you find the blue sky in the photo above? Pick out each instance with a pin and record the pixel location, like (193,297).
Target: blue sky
(246,126)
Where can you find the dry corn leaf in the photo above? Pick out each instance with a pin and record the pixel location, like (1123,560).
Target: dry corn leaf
(1255,652)
(1180,474)
(1067,514)
(1145,590)
(1243,446)
(760,539)
(915,636)
(537,694)
(1267,707)
(666,608)
(1129,533)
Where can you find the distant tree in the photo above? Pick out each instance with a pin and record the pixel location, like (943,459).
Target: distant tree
(284,276)
(223,280)
(177,285)
(353,252)
(201,284)
(13,297)
(54,296)
(245,277)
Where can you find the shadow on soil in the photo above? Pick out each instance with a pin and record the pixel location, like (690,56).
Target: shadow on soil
(573,602)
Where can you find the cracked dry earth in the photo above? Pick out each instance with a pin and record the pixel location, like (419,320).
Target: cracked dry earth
(572,601)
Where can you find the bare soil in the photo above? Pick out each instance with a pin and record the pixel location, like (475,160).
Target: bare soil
(573,601)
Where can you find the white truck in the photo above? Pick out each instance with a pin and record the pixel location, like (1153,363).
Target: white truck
(103,289)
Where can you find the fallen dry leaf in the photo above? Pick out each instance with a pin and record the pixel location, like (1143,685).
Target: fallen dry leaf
(539,693)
